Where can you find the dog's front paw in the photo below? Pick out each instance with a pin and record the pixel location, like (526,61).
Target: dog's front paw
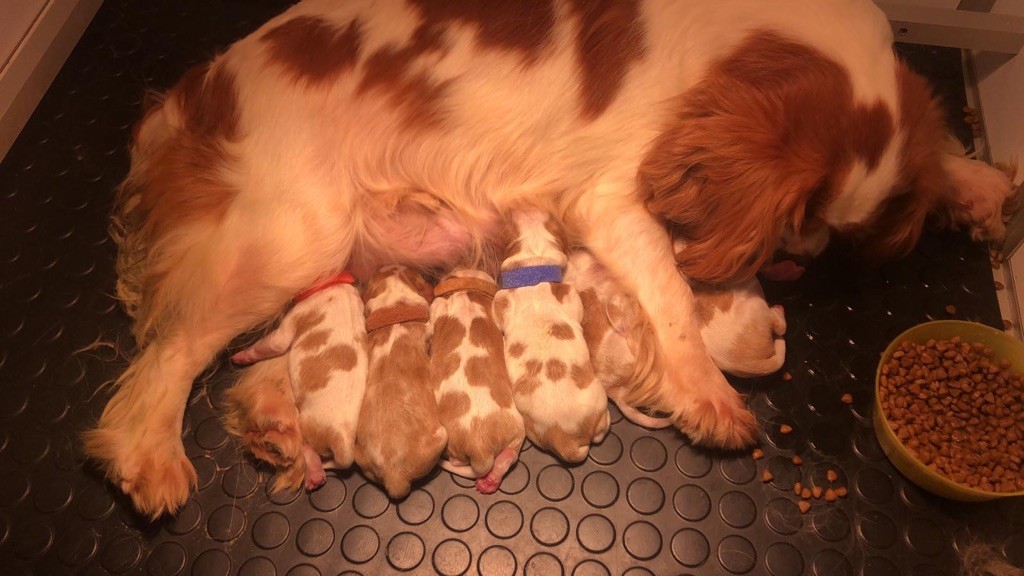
(719,424)
(704,405)
(982,196)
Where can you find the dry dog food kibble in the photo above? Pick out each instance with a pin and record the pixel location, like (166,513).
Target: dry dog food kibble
(957,411)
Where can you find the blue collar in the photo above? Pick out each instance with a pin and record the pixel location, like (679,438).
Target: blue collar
(530,276)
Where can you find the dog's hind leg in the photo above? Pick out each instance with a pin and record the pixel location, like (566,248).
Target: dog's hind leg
(218,280)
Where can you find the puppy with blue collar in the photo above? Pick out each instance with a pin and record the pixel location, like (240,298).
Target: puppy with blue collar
(564,407)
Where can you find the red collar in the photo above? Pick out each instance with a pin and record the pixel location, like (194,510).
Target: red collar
(343,277)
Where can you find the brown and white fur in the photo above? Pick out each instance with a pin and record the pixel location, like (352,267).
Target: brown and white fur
(368,132)
(743,334)
(471,383)
(400,437)
(260,411)
(563,405)
(619,336)
(324,336)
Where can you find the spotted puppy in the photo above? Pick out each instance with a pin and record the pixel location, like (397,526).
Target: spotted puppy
(563,406)
(471,383)
(400,436)
(743,335)
(619,336)
(324,336)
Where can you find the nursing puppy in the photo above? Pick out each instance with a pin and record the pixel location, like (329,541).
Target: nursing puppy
(742,333)
(563,406)
(471,383)
(399,437)
(621,341)
(324,336)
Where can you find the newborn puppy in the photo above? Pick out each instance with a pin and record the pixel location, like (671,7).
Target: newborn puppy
(743,335)
(563,406)
(400,436)
(324,335)
(621,341)
(471,383)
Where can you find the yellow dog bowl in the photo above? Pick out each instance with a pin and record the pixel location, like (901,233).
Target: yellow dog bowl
(1003,346)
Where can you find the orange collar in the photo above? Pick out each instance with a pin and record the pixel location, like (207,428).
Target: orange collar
(343,277)
(450,285)
(396,314)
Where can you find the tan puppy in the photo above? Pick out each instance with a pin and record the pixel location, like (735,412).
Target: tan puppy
(471,383)
(400,436)
(563,406)
(620,338)
(324,336)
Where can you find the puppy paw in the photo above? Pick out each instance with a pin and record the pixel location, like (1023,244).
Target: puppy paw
(487,485)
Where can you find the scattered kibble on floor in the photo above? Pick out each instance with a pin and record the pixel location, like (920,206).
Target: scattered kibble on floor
(847,398)
(805,493)
(785,429)
(950,309)
(787,376)
(830,495)
(757,454)
(798,461)
(804,506)
(831,475)
(767,476)
(798,488)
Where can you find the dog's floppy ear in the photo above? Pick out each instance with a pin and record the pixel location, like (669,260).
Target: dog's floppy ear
(758,147)
(719,180)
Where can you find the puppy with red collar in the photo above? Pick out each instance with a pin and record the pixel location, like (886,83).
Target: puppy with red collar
(563,406)
(324,336)
(400,437)
(471,382)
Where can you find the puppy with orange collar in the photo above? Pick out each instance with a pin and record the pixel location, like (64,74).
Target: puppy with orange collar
(471,382)
(400,437)
(324,336)
(563,406)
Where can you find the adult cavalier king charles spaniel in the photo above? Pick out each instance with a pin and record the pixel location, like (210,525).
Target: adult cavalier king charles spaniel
(364,133)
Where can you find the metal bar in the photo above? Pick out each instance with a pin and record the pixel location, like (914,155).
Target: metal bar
(956,28)
(976,5)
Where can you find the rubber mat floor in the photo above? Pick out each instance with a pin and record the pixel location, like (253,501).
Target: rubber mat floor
(643,503)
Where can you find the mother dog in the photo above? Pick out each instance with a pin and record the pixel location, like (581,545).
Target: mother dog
(368,132)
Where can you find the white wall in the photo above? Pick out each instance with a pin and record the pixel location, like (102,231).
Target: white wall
(17,16)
